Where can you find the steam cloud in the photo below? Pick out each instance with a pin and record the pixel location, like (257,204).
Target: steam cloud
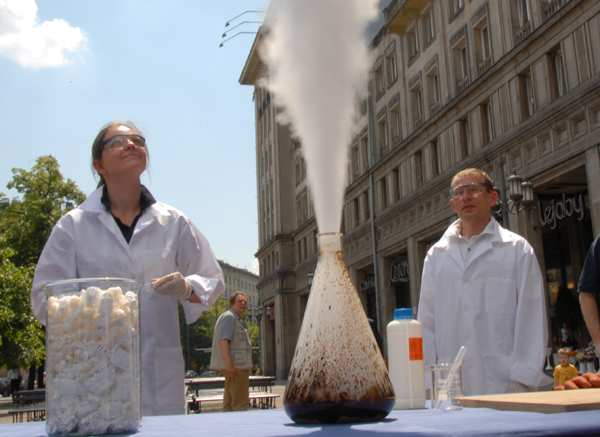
(318,60)
(32,43)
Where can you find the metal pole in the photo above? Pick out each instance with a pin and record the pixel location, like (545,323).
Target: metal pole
(371,145)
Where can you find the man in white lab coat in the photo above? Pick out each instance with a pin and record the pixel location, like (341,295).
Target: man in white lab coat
(482,288)
(122,231)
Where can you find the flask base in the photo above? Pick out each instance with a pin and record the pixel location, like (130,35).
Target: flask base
(339,412)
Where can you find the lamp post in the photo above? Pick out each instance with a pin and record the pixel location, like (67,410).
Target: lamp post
(520,194)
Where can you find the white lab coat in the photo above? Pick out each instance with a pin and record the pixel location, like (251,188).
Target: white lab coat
(494,305)
(87,242)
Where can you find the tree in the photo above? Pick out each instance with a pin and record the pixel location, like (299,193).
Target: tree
(21,336)
(25,224)
(201,335)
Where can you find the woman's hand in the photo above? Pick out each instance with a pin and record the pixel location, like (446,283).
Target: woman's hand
(173,284)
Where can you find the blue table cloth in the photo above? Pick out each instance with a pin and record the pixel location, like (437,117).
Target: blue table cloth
(275,423)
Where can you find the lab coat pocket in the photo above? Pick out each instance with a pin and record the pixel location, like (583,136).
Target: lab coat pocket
(169,380)
(499,300)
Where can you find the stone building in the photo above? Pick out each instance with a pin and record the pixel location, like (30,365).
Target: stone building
(237,279)
(511,86)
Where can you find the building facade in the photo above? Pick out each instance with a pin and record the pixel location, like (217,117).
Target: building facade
(510,86)
(237,279)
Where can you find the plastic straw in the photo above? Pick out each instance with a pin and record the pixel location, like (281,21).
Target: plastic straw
(452,373)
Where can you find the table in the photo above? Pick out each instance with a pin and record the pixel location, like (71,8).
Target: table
(270,423)
(261,383)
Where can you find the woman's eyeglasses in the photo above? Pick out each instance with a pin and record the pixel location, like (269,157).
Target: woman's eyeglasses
(121,141)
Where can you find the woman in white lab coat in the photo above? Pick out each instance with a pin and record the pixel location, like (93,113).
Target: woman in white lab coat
(120,230)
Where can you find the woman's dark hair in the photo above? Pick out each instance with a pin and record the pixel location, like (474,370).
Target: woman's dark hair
(98,144)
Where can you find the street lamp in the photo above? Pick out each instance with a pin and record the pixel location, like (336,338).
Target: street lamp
(520,194)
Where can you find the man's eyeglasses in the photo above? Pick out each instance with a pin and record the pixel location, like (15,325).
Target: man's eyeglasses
(470,189)
(121,141)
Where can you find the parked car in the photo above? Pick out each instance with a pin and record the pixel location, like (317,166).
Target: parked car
(4,386)
(191,374)
(209,373)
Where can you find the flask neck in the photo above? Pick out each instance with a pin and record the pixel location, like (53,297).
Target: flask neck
(330,242)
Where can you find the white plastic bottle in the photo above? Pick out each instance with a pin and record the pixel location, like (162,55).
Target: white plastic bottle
(405,357)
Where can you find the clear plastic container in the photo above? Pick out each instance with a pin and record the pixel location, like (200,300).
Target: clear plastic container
(92,357)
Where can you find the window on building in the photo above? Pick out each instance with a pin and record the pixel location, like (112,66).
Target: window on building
(412,42)
(433,88)
(364,151)
(355,160)
(456,7)
(382,134)
(383,193)
(416,103)
(356,211)
(428,27)
(435,160)
(460,59)
(556,67)
(396,183)
(366,206)
(304,249)
(298,170)
(521,19)
(483,48)
(527,98)
(464,136)
(418,163)
(379,80)
(395,123)
(488,132)
(391,65)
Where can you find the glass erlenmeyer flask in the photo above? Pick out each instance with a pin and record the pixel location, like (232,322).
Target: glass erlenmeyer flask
(337,373)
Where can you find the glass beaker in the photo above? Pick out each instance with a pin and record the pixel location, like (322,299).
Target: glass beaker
(92,356)
(442,393)
(337,373)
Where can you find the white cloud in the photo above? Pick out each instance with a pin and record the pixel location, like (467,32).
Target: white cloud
(35,44)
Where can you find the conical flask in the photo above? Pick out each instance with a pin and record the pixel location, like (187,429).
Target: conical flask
(337,373)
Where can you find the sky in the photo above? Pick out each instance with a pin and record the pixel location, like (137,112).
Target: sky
(67,67)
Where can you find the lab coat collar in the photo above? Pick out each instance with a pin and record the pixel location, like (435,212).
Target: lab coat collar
(492,234)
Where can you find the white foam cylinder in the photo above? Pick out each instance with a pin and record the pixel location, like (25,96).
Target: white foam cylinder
(405,357)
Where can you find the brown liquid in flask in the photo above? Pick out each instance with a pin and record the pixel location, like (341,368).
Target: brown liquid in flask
(337,373)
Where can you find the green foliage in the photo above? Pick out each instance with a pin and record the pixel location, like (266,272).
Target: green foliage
(25,225)
(201,334)
(21,336)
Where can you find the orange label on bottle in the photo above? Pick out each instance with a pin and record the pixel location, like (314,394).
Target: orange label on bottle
(415,348)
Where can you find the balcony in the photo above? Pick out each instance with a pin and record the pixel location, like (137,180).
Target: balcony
(401,13)
(483,65)
(461,84)
(522,32)
(551,7)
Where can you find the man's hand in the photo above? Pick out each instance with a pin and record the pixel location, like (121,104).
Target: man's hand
(230,372)
(173,284)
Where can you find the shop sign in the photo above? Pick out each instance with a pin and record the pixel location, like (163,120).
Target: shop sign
(400,270)
(554,211)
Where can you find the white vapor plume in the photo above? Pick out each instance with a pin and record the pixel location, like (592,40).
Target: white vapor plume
(35,44)
(318,61)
